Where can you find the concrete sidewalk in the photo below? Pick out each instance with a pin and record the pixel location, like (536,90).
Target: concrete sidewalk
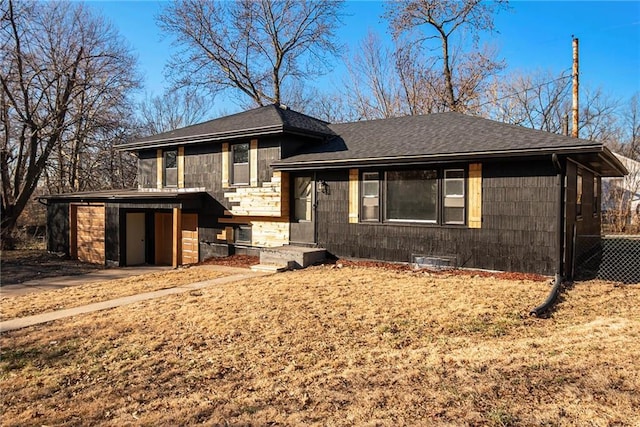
(23,322)
(60,282)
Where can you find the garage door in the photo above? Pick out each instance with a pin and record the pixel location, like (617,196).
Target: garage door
(90,233)
(189,238)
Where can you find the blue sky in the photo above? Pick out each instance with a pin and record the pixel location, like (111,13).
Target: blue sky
(532,35)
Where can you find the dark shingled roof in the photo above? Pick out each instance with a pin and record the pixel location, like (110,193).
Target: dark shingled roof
(442,136)
(270,119)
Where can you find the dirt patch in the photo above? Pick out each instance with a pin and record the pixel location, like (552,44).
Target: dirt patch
(21,266)
(336,346)
(244,261)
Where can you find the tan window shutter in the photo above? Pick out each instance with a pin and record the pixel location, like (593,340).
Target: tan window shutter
(354,201)
(253,163)
(475,195)
(159,167)
(225,165)
(180,167)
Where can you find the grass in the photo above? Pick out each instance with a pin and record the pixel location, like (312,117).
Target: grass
(41,302)
(330,346)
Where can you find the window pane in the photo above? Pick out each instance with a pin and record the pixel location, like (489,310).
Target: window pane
(171,168)
(454,215)
(170,159)
(243,234)
(241,153)
(241,173)
(370,188)
(303,210)
(302,196)
(454,187)
(412,195)
(454,173)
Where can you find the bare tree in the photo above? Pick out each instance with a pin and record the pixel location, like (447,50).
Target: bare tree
(537,100)
(462,74)
(61,68)
(172,110)
(372,86)
(252,46)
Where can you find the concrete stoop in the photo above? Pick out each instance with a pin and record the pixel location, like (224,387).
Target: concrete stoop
(288,258)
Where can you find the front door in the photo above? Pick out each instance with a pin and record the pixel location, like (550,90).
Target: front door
(303,215)
(136,246)
(164,238)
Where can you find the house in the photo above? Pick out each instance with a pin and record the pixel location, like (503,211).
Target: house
(621,198)
(444,188)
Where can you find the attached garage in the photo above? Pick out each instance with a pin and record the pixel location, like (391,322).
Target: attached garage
(87,232)
(126,227)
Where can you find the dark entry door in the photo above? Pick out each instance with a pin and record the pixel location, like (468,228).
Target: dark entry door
(303,215)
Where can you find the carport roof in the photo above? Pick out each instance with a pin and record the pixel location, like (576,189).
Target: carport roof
(131,195)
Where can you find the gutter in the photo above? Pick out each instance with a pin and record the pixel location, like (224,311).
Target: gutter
(556,290)
(421,158)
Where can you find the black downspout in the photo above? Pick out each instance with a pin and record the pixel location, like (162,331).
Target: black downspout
(559,278)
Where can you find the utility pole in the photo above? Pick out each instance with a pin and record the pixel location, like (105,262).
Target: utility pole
(575,105)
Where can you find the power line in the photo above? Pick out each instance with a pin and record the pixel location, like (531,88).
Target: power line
(511,95)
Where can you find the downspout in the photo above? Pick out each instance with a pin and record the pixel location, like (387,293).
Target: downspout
(559,278)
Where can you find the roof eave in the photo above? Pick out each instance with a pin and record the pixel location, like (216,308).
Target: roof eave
(430,158)
(194,139)
(615,163)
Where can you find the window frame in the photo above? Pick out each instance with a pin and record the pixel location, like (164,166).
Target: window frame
(233,163)
(363,195)
(237,241)
(383,196)
(165,168)
(462,196)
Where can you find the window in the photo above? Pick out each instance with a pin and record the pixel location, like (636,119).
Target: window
(302,198)
(454,196)
(243,235)
(435,196)
(370,196)
(579,194)
(412,195)
(171,168)
(240,166)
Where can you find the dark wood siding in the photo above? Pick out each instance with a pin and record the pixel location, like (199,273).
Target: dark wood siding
(114,225)
(268,152)
(518,231)
(58,227)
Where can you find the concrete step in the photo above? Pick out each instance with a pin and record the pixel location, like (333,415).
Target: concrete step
(292,256)
(270,268)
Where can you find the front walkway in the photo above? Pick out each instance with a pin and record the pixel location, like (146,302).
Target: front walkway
(23,322)
(60,282)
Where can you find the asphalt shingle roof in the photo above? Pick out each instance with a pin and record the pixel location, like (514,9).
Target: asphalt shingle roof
(270,119)
(433,135)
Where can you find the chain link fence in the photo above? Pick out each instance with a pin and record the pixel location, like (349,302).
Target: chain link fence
(610,257)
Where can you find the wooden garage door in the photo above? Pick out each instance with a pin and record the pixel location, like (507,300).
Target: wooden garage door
(90,233)
(189,238)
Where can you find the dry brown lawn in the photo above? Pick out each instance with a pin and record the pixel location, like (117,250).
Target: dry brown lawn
(41,302)
(329,346)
